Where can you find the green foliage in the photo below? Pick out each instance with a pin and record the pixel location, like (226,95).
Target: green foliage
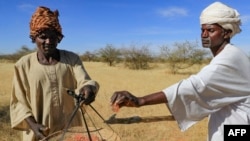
(180,56)
(88,56)
(109,54)
(15,56)
(183,55)
(137,58)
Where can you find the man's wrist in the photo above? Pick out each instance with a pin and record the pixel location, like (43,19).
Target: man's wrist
(141,101)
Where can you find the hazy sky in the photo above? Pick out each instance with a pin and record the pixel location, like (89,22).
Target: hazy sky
(89,25)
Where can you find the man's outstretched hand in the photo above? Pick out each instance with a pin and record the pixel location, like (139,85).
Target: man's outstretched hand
(123,98)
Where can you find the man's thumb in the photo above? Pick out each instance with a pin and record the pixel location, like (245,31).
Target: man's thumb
(44,130)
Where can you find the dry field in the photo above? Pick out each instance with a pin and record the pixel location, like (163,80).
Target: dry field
(138,82)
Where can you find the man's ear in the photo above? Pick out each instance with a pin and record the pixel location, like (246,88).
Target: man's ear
(227,34)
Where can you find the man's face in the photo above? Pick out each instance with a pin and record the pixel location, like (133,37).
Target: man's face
(47,41)
(212,35)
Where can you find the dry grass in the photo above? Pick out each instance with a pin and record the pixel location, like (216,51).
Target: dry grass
(138,82)
(6,73)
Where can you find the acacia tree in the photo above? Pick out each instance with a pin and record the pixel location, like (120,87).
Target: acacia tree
(137,58)
(183,55)
(18,54)
(109,54)
(88,56)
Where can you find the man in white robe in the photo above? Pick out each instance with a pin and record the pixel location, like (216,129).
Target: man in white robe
(221,90)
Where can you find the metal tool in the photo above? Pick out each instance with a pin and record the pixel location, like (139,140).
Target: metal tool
(79,101)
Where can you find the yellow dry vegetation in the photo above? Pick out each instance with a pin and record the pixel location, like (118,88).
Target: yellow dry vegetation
(138,82)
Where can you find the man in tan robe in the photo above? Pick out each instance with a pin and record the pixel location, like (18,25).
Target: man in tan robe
(39,100)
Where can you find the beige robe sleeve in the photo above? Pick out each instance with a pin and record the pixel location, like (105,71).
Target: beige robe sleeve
(19,109)
(81,76)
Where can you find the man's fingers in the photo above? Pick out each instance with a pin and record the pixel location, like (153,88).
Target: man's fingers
(113,98)
(120,100)
(44,130)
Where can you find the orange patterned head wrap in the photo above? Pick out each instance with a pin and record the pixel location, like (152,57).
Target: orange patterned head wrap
(42,19)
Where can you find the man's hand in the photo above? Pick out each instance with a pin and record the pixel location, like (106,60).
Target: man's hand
(123,98)
(40,131)
(89,94)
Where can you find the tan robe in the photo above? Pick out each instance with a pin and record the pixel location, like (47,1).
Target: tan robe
(41,91)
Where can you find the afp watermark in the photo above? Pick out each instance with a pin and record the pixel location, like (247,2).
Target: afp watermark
(234,132)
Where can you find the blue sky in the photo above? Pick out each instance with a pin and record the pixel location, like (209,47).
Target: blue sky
(89,25)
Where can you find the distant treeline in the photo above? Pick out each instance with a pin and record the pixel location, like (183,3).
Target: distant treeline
(179,56)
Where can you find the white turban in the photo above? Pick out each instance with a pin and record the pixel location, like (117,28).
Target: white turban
(223,15)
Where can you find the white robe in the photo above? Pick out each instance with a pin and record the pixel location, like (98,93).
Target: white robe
(221,90)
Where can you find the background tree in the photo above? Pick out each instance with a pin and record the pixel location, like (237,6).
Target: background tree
(137,58)
(164,53)
(88,56)
(183,55)
(109,54)
(24,50)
